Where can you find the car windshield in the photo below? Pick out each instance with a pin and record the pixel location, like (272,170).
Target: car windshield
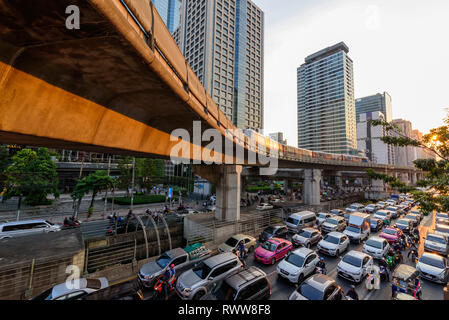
(224,292)
(306,234)
(411,217)
(370,206)
(374,222)
(46,295)
(163,260)
(437,263)
(382,214)
(403,222)
(322,215)
(295,260)
(292,221)
(354,207)
(374,244)
(353,229)
(50,223)
(442,215)
(390,232)
(335,211)
(332,221)
(232,242)
(269,230)
(415,212)
(353,261)
(436,239)
(443,230)
(202,270)
(310,292)
(332,239)
(269,246)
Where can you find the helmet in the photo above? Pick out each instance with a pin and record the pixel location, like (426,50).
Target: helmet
(322,259)
(172,265)
(352,286)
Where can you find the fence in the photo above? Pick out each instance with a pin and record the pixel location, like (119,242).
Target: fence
(204,228)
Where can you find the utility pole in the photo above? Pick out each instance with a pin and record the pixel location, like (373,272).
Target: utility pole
(106,195)
(132,183)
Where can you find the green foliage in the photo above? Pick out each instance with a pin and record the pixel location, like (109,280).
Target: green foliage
(95,182)
(153,198)
(32,175)
(400,141)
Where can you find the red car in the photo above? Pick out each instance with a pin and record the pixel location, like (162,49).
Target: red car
(273,250)
(392,235)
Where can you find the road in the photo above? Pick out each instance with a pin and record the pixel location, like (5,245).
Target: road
(281,288)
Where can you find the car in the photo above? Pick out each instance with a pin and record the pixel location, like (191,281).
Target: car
(358,228)
(414,218)
(416,211)
(337,212)
(383,215)
(442,215)
(277,231)
(318,287)
(355,207)
(442,229)
(197,282)
(273,250)
(354,266)
(333,244)
(433,267)
(308,237)
(332,224)
(394,211)
(392,202)
(27,227)
(382,205)
(443,222)
(298,265)
(392,235)
(371,208)
(264,206)
(249,284)
(376,224)
(186,212)
(406,225)
(437,243)
(322,216)
(233,243)
(80,289)
(376,247)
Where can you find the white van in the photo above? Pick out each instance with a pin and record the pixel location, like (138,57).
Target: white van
(27,227)
(298,221)
(359,227)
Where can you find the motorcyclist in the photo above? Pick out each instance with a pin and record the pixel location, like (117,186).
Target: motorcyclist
(322,265)
(242,252)
(414,253)
(352,293)
(168,278)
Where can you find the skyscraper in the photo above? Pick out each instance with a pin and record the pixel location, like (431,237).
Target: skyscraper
(223,41)
(369,139)
(279,137)
(379,102)
(169,10)
(404,155)
(326,108)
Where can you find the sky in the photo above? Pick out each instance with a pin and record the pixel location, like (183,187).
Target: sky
(398,46)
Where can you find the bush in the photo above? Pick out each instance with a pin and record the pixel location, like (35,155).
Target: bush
(153,198)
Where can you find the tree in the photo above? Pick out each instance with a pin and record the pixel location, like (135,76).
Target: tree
(32,175)
(95,182)
(437,171)
(4,163)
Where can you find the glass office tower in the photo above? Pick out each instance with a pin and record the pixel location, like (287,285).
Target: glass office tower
(169,10)
(380,102)
(326,107)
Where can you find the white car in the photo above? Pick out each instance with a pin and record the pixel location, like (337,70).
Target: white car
(264,206)
(383,215)
(333,244)
(433,267)
(354,266)
(376,247)
(322,216)
(298,265)
(355,207)
(62,292)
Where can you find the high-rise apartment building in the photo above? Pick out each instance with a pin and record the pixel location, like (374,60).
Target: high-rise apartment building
(326,107)
(379,102)
(421,153)
(223,41)
(169,10)
(404,155)
(369,139)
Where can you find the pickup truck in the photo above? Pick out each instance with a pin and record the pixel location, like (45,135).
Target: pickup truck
(183,259)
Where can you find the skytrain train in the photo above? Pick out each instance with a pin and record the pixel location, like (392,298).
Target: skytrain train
(288,152)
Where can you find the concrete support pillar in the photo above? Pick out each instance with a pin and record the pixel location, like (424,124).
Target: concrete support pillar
(311,187)
(338,180)
(227,180)
(414,178)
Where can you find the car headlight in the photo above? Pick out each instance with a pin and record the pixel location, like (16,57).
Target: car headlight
(187,290)
(149,277)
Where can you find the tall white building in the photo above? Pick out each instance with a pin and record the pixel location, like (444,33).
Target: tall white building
(369,139)
(326,107)
(404,155)
(223,41)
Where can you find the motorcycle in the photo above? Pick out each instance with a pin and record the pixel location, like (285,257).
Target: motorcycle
(71,223)
(158,288)
(321,270)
